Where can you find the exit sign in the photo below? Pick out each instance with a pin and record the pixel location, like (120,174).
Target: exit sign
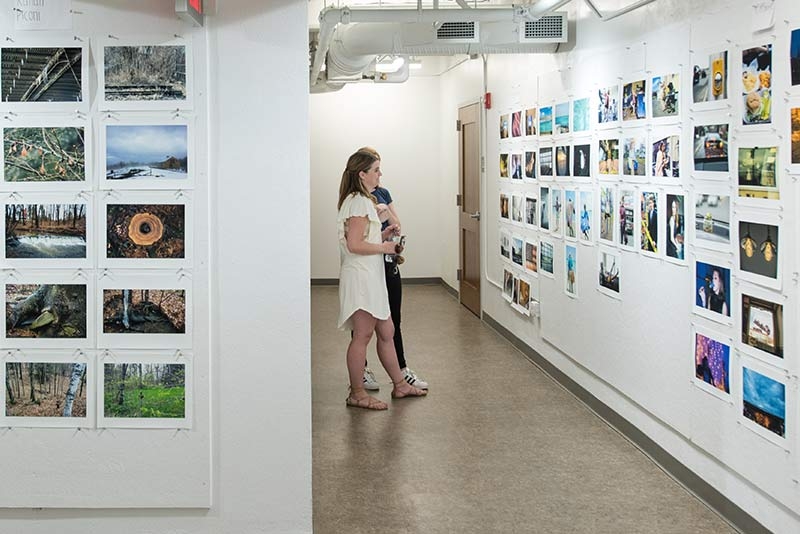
(190,10)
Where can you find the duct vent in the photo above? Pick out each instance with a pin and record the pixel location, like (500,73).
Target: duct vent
(550,28)
(458,32)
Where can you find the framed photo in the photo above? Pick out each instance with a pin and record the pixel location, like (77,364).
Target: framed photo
(562,118)
(712,219)
(48,389)
(546,120)
(712,362)
(581,160)
(609,271)
(42,155)
(146,230)
(634,99)
(146,73)
(759,251)
(145,311)
(608,158)
(47,310)
(581,115)
(757,89)
(48,78)
(546,258)
(136,390)
(675,225)
(532,257)
(48,231)
(571,270)
(665,93)
(608,106)
(146,153)
(712,290)
(764,402)
(710,79)
(587,222)
(607,207)
(758,174)
(546,162)
(648,209)
(508,284)
(711,150)
(531,121)
(626,218)
(762,325)
(665,150)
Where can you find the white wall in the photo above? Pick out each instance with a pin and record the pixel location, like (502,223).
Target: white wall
(257,233)
(402,122)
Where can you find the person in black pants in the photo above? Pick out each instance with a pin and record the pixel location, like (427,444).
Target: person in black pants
(394,288)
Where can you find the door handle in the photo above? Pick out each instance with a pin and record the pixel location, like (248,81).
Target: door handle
(476,215)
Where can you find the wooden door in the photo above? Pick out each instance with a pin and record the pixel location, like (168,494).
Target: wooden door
(469,174)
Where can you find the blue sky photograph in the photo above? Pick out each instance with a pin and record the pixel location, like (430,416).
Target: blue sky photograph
(764,393)
(144,144)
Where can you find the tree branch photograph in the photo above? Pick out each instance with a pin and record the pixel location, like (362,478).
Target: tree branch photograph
(45,310)
(42,74)
(142,390)
(45,231)
(45,389)
(144,311)
(145,72)
(54,154)
(145,231)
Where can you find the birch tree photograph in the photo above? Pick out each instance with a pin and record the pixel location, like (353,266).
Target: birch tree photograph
(144,311)
(45,389)
(46,154)
(144,390)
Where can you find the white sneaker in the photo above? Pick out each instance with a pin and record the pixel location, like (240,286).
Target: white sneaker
(412,378)
(370,382)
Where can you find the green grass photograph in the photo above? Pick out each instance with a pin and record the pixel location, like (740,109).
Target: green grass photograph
(140,390)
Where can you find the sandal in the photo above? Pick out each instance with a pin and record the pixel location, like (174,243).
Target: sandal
(367,402)
(408,390)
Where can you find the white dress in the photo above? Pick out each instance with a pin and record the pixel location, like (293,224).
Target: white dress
(362,279)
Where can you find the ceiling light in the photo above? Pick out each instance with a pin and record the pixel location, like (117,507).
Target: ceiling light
(389,64)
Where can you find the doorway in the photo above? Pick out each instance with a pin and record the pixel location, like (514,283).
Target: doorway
(469,189)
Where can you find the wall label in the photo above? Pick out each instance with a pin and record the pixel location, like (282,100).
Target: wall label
(42,15)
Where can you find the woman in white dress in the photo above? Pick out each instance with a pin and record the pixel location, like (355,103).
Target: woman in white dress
(363,301)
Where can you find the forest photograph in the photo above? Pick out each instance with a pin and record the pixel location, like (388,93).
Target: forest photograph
(145,231)
(45,230)
(42,74)
(144,311)
(136,73)
(144,390)
(45,389)
(44,154)
(45,311)
(136,152)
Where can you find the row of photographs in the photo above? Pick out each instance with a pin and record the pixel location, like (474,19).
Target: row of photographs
(139,153)
(124,389)
(117,310)
(651,221)
(754,162)
(145,229)
(131,75)
(763,387)
(659,97)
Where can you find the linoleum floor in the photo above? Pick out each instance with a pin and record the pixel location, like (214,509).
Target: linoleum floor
(496,447)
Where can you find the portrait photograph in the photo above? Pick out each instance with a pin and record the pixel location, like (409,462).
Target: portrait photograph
(517,250)
(665,95)
(758,249)
(608,105)
(546,257)
(562,160)
(45,231)
(46,389)
(757,85)
(675,222)
(544,208)
(44,155)
(505,208)
(648,206)
(531,121)
(581,115)
(562,118)
(546,120)
(762,325)
(712,293)
(530,164)
(608,272)
(570,214)
(712,362)
(516,124)
(711,148)
(607,214)
(633,101)
(666,157)
(710,78)
(712,220)
(581,161)
(516,167)
(531,210)
(625,217)
(44,75)
(504,164)
(634,156)
(531,256)
(571,270)
(758,172)
(504,126)
(546,161)
(146,153)
(51,311)
(764,401)
(586,220)
(144,73)
(608,156)
(146,231)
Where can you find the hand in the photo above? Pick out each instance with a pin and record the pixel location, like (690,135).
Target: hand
(702,293)
(389,231)
(388,247)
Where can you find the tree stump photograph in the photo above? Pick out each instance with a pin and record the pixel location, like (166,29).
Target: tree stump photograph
(145,231)
(45,310)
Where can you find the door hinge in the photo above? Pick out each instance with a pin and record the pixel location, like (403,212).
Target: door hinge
(458,274)
(483,164)
(458,125)
(458,200)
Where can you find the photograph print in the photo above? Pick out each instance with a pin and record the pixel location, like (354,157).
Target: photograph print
(665,96)
(516,124)
(531,210)
(53,311)
(546,161)
(675,225)
(517,250)
(531,121)
(557,208)
(711,148)
(608,156)
(39,231)
(581,161)
(764,401)
(757,85)
(44,155)
(607,105)
(625,216)
(146,231)
(504,126)
(758,249)
(146,152)
(634,156)
(794,56)
(504,206)
(517,208)
(712,362)
(666,157)
(758,177)
(570,213)
(607,214)
(144,73)
(546,257)
(144,311)
(503,165)
(580,115)
(544,208)
(795,135)
(505,244)
(531,256)
(609,271)
(562,118)
(762,325)
(46,389)
(586,216)
(530,164)
(710,78)
(712,221)
(712,290)
(571,270)
(42,74)
(633,101)
(508,284)
(144,390)
(546,120)
(516,167)
(648,205)
(562,160)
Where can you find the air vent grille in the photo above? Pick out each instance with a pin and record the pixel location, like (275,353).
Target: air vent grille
(458,31)
(549,27)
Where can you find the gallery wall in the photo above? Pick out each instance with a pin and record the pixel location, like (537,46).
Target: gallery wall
(241,189)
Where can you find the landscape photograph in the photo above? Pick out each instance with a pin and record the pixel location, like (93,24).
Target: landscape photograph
(45,231)
(45,311)
(45,389)
(144,311)
(144,390)
(136,73)
(146,152)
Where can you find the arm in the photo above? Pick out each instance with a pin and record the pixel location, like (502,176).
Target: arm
(357,243)
(393,217)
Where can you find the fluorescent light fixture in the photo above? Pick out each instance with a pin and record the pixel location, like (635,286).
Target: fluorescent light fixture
(389,64)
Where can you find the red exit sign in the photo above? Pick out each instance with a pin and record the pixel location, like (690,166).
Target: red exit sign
(197,5)
(190,10)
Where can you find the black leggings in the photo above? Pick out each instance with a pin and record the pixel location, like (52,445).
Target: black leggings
(394,288)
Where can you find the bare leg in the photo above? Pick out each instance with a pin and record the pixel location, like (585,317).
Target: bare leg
(388,357)
(363,326)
